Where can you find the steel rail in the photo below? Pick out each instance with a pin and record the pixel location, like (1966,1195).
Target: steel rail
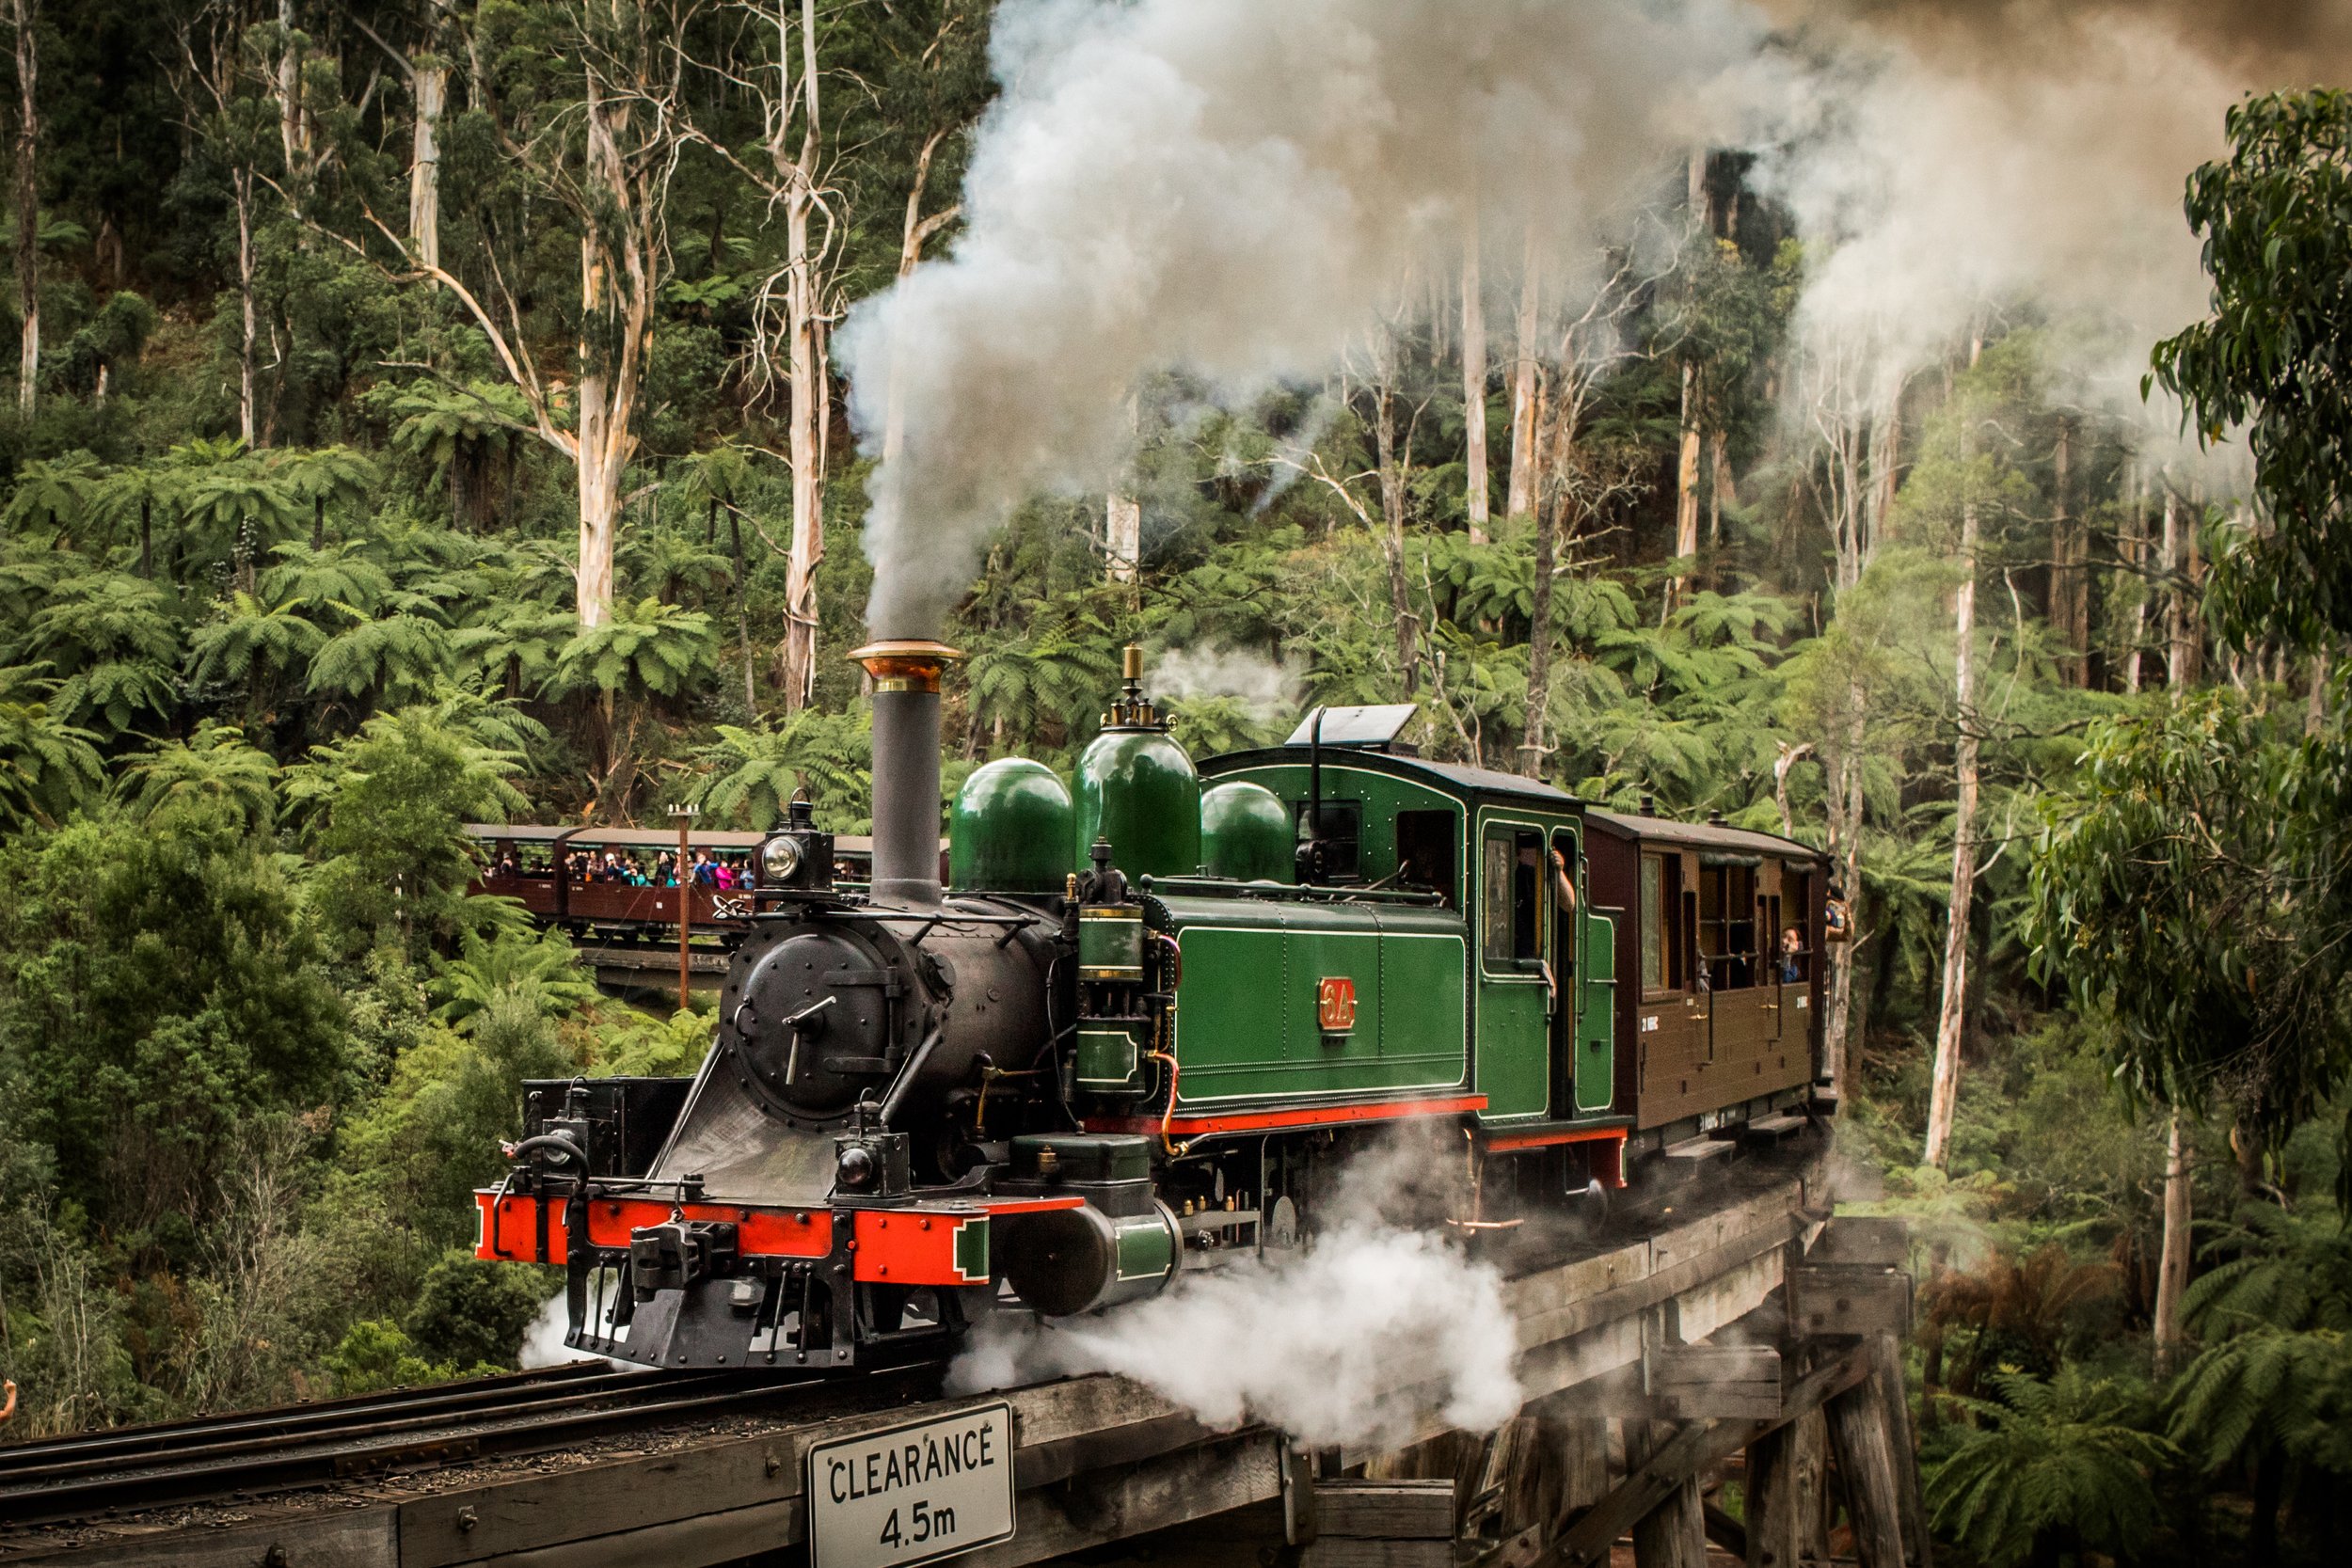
(288,1450)
(123,1442)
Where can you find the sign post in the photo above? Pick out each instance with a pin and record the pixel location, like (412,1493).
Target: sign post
(914,1493)
(684,817)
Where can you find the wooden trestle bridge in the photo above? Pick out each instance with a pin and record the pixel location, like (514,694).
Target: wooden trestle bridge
(1733,1323)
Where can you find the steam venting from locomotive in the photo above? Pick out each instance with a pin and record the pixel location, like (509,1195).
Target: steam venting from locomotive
(1351,1341)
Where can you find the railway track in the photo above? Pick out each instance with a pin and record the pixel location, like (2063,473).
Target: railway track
(293,1447)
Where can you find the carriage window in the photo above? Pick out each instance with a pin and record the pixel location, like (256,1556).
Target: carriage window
(1653,923)
(1511,868)
(1727,925)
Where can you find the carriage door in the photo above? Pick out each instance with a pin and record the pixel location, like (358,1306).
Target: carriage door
(1514,980)
(1588,981)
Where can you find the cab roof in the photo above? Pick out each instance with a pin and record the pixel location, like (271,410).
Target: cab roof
(1451,777)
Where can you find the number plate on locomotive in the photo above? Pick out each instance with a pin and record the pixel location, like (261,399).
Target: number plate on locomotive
(911,1494)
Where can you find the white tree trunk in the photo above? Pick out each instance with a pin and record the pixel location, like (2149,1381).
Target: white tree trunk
(1122,536)
(2175,601)
(2136,557)
(1943,1089)
(2172,1263)
(27,204)
(1524,381)
(599,476)
(424,163)
(241,184)
(1687,483)
(807,446)
(1122,510)
(810,398)
(1844,848)
(1474,381)
(294,131)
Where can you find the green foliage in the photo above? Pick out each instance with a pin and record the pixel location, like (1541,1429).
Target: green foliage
(471,1312)
(216,766)
(538,971)
(2192,888)
(646,647)
(47,765)
(375,1355)
(750,776)
(161,984)
(2276,355)
(2068,1460)
(385,810)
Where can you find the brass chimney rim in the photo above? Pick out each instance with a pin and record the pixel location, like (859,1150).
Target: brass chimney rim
(906,663)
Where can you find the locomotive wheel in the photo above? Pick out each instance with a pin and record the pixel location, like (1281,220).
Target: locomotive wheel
(1281,1226)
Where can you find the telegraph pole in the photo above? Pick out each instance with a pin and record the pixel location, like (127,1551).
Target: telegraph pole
(684,817)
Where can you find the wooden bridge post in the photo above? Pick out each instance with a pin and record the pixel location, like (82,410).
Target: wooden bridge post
(1894,1395)
(1858,1439)
(1673,1534)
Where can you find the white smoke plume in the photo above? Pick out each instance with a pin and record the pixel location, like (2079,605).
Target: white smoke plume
(1264,685)
(1238,192)
(542,1341)
(1234,191)
(1377,1320)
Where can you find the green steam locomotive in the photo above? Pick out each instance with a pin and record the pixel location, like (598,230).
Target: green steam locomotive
(1142,1025)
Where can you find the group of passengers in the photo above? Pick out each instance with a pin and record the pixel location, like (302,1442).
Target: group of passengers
(619,868)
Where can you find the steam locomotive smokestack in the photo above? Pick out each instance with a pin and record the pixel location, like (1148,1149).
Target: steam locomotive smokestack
(906,765)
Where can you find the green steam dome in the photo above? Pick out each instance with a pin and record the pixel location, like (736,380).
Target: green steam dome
(1244,833)
(1009,831)
(1137,787)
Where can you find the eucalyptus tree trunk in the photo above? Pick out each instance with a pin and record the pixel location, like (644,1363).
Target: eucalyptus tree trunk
(1392,478)
(914,233)
(2180,632)
(1943,1090)
(1525,379)
(1474,381)
(1845,850)
(429,78)
(2172,1261)
(2135,551)
(27,203)
(796,176)
(2069,577)
(1539,631)
(1687,486)
(616,328)
(241,189)
(293,134)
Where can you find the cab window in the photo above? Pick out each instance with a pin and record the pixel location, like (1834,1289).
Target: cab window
(1511,866)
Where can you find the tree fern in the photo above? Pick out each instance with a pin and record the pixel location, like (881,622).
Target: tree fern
(750,776)
(2069,1458)
(216,763)
(645,646)
(394,658)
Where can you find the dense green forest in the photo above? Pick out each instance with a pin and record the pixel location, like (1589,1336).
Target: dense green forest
(427,414)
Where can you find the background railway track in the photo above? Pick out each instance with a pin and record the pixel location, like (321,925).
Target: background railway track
(292,1447)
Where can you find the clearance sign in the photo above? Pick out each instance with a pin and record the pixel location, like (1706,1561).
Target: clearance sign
(911,1494)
